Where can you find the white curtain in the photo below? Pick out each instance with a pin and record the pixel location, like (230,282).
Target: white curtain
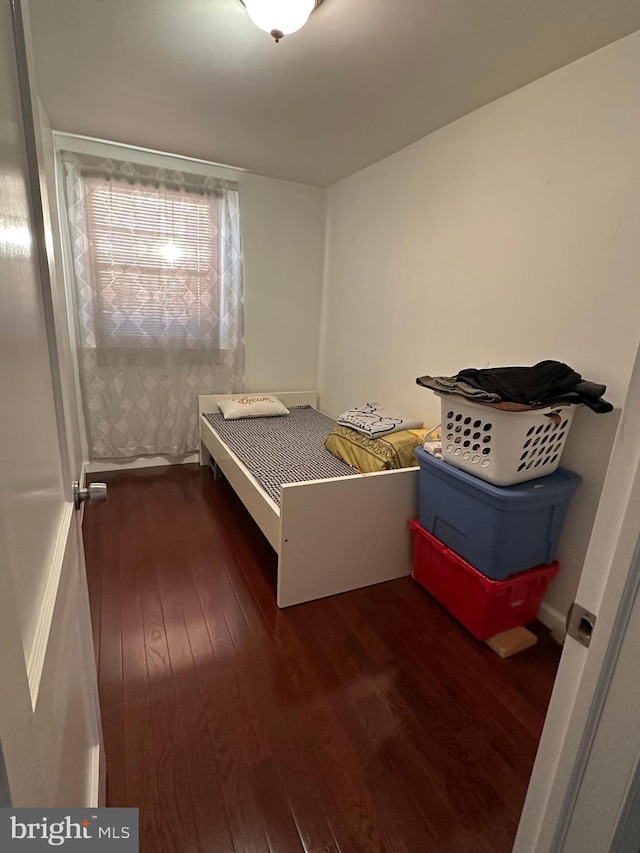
(159,300)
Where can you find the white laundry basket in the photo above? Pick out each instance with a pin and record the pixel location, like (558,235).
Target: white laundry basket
(503,447)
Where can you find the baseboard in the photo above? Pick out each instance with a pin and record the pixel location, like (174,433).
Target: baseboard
(98,465)
(552,619)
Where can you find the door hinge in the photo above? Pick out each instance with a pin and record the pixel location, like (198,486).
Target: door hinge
(580,623)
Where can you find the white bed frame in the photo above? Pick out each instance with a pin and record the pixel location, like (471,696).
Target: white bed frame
(330,535)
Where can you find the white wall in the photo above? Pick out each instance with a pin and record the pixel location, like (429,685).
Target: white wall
(507,237)
(283,240)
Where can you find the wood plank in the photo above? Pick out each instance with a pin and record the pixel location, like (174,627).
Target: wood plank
(511,642)
(140,755)
(368,721)
(176,589)
(469,794)
(259,673)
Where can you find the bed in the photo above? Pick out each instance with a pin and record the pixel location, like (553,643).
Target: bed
(331,535)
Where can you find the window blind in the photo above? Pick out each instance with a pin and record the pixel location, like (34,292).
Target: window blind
(158,299)
(155,256)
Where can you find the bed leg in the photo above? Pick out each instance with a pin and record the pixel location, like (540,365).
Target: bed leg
(214,470)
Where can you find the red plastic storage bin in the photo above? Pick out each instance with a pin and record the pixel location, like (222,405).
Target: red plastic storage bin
(484,606)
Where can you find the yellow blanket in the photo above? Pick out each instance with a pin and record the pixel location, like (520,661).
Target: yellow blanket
(367,455)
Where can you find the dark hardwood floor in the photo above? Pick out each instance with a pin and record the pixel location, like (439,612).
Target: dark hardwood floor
(369,721)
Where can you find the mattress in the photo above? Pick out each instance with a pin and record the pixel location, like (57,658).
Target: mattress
(287,449)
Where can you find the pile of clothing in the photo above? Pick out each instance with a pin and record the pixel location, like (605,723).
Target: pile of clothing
(519,389)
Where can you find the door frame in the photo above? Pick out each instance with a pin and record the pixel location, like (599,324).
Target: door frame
(66,562)
(582,693)
(40,213)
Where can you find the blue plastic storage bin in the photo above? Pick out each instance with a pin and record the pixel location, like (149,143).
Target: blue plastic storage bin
(499,530)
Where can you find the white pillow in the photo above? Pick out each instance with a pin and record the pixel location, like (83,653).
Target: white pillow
(373,420)
(252,406)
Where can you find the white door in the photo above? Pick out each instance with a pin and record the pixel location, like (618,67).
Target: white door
(585,784)
(49,720)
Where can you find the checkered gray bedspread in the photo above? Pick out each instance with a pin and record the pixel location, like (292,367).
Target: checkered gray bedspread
(287,449)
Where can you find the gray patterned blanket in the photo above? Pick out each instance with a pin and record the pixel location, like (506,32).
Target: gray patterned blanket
(287,449)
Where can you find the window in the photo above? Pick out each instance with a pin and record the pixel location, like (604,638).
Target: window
(158,299)
(155,257)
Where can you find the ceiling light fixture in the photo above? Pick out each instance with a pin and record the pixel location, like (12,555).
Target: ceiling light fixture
(280,18)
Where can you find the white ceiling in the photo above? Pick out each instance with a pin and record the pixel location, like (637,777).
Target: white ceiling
(363,79)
